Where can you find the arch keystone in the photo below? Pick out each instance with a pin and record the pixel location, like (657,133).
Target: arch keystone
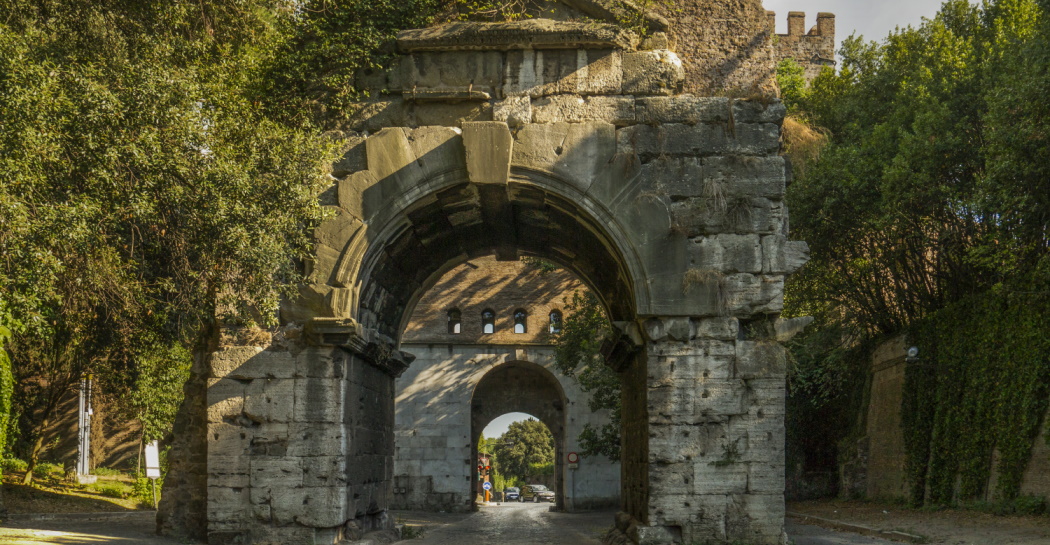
(489,145)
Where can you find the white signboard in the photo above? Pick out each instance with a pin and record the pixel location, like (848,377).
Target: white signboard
(152,461)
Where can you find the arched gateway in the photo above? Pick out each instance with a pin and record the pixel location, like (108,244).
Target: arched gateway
(562,140)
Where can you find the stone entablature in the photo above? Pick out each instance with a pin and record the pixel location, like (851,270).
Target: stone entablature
(814,49)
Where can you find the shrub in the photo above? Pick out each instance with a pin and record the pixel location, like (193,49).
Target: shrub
(107,472)
(144,490)
(14,465)
(112,489)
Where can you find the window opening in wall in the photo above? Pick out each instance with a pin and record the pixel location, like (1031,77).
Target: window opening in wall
(455,319)
(488,321)
(520,317)
(555,326)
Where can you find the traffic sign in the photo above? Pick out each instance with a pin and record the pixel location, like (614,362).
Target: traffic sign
(573,458)
(487,485)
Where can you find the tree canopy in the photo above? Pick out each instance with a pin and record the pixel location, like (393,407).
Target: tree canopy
(926,213)
(525,450)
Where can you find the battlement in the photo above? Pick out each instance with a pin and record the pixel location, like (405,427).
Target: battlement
(824,28)
(814,49)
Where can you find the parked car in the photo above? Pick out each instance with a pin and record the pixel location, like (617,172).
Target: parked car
(537,493)
(511,493)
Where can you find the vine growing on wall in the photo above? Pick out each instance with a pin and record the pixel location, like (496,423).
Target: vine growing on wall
(975,398)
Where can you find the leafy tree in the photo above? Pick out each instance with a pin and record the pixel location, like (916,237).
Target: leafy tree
(144,194)
(577,354)
(926,212)
(525,449)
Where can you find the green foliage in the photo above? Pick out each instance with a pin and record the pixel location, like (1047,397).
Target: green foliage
(792,81)
(144,193)
(893,209)
(526,447)
(106,472)
(158,389)
(926,211)
(312,77)
(143,489)
(7,380)
(577,354)
(981,384)
(111,489)
(11,465)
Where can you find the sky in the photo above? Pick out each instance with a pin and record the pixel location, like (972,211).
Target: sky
(873,19)
(499,426)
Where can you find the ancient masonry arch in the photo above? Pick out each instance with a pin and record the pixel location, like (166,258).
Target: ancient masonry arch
(564,140)
(463,378)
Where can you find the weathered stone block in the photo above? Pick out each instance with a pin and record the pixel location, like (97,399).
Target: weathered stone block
(488,150)
(662,329)
(716,328)
(439,150)
(754,111)
(354,158)
(318,400)
(577,109)
(783,256)
(232,362)
(225,399)
(760,359)
(755,139)
(270,400)
(319,440)
(319,363)
(657,72)
(723,476)
(225,439)
(270,439)
(228,471)
(747,176)
(381,113)
(515,111)
(766,478)
(276,472)
(545,72)
(323,507)
(741,253)
(756,518)
(675,177)
(479,70)
(450,115)
(682,109)
(579,153)
(682,442)
(720,397)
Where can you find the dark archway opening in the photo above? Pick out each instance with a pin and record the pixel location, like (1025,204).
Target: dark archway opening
(524,387)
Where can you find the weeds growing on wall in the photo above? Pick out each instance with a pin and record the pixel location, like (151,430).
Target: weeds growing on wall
(975,398)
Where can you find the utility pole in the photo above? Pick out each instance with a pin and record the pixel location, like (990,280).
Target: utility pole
(84,430)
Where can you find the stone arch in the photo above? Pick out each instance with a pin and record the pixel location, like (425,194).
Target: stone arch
(560,140)
(536,392)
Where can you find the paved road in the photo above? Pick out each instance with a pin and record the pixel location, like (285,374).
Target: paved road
(132,529)
(804,534)
(507,524)
(533,524)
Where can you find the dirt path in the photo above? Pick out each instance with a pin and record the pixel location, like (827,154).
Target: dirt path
(948,527)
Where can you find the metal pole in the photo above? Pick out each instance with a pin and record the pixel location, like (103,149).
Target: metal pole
(82,447)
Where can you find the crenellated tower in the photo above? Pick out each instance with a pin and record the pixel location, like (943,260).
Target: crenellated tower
(814,49)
